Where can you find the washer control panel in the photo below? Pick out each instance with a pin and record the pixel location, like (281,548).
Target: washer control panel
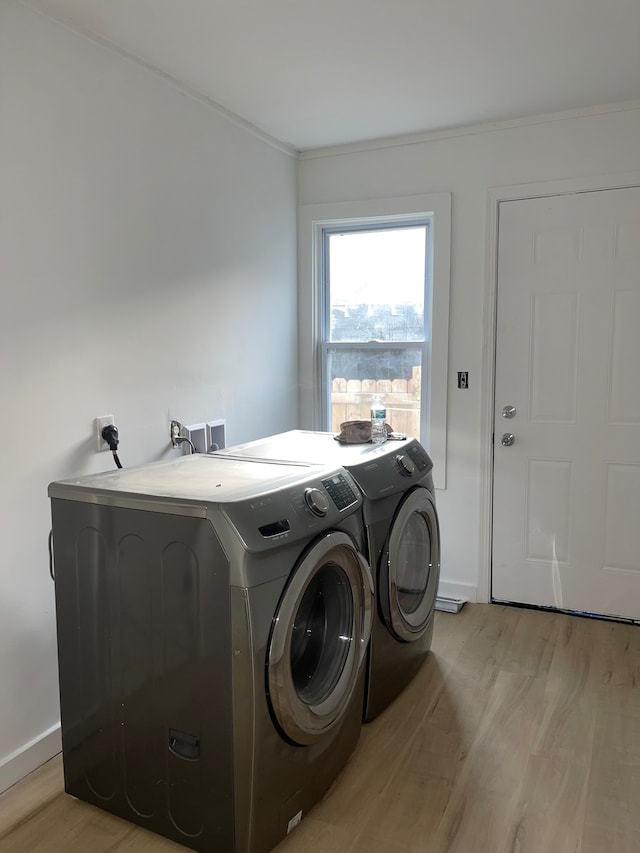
(316,501)
(278,516)
(340,491)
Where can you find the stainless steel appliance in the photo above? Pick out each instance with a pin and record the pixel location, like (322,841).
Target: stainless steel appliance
(402,545)
(213,619)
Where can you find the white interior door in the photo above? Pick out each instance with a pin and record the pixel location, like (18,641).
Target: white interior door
(566,515)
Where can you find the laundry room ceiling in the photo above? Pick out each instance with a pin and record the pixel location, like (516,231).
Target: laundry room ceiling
(314,73)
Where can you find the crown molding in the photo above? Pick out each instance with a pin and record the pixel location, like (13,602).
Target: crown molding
(196,95)
(465,130)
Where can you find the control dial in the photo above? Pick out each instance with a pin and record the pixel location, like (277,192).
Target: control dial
(316,501)
(405,465)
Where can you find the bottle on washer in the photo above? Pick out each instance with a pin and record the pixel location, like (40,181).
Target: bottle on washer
(378,421)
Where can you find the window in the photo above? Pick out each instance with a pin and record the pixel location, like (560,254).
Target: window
(374,315)
(375,329)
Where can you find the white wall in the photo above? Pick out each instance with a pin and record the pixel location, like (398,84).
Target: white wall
(467,166)
(147,269)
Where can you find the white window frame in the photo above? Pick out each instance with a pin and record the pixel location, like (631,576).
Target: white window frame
(312,221)
(423,347)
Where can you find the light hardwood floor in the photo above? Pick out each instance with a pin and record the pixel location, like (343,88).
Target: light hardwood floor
(521,734)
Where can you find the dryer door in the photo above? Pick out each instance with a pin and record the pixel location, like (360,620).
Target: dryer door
(410,568)
(319,638)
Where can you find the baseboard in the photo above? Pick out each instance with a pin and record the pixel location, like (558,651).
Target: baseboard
(23,761)
(452,589)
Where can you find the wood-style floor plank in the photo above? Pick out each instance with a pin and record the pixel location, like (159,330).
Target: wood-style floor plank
(521,734)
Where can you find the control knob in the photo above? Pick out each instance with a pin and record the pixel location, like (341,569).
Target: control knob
(405,465)
(316,501)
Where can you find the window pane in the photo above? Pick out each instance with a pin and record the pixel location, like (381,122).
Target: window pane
(377,284)
(357,375)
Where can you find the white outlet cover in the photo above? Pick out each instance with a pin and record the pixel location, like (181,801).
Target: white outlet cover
(101,423)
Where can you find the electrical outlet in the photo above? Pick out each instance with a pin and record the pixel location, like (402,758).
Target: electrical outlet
(175,431)
(101,423)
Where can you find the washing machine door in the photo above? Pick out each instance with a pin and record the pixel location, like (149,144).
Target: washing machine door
(412,567)
(319,638)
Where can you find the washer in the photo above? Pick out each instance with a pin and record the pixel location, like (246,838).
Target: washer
(402,545)
(213,619)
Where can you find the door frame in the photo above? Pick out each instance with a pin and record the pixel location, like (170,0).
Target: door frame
(496,195)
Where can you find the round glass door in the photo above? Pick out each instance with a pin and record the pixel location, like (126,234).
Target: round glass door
(413,565)
(319,638)
(322,634)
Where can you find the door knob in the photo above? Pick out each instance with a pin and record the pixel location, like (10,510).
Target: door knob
(507,439)
(509,412)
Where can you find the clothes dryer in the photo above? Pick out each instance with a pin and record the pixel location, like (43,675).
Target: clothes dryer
(403,545)
(213,618)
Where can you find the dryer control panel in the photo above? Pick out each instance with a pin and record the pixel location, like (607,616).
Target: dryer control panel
(391,469)
(420,457)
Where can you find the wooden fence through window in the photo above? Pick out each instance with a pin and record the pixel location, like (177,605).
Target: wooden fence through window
(351,400)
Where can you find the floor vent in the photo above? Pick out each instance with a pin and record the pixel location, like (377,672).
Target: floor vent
(450,604)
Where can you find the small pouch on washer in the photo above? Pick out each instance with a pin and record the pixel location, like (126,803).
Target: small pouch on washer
(357,432)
